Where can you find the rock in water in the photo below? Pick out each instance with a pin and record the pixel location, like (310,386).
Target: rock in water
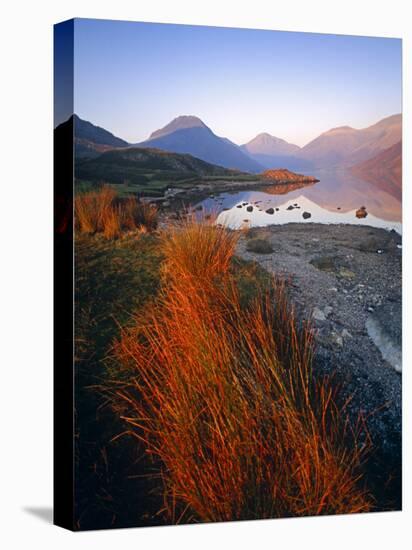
(306,215)
(361,212)
(270,211)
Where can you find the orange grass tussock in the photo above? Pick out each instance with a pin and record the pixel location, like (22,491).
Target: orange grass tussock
(224,399)
(102,211)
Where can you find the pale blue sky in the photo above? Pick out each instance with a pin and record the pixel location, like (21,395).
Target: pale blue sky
(133,78)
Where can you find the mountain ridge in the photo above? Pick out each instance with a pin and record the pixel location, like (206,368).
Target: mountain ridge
(190,135)
(346,146)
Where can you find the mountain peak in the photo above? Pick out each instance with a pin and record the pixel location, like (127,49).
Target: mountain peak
(340,129)
(179,123)
(266,144)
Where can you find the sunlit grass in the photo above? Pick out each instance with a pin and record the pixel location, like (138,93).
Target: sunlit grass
(103,212)
(223,396)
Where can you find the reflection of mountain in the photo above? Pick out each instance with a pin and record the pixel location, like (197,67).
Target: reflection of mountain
(285,188)
(383,170)
(337,191)
(342,189)
(287,213)
(347,146)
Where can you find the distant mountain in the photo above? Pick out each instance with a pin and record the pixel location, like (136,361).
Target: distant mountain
(189,134)
(384,170)
(142,166)
(183,122)
(345,146)
(273,152)
(91,140)
(265,144)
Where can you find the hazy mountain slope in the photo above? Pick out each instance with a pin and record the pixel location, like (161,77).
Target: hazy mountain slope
(383,170)
(91,140)
(292,162)
(265,144)
(190,135)
(346,145)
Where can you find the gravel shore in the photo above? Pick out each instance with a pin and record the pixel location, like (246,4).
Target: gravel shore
(347,280)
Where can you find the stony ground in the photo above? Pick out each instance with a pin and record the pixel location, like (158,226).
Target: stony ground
(347,280)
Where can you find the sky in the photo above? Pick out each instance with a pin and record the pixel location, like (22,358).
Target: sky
(133,78)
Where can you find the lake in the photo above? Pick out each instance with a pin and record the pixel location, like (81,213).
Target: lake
(334,199)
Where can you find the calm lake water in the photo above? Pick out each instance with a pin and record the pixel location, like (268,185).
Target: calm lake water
(334,199)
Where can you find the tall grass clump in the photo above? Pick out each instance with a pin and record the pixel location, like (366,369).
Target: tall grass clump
(102,211)
(224,398)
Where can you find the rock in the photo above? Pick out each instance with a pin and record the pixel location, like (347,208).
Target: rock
(270,211)
(337,339)
(361,212)
(239,206)
(371,245)
(259,246)
(277,209)
(384,327)
(346,333)
(318,314)
(346,273)
(327,310)
(290,207)
(324,263)
(249,208)
(338,208)
(306,215)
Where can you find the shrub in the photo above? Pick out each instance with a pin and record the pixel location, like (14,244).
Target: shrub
(103,212)
(224,398)
(259,246)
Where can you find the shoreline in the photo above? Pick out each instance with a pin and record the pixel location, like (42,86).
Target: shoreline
(205,189)
(346,282)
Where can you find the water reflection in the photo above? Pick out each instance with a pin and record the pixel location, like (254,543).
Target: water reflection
(334,199)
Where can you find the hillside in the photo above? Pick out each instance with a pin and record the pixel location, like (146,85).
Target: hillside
(148,169)
(189,134)
(90,140)
(285,176)
(384,170)
(345,146)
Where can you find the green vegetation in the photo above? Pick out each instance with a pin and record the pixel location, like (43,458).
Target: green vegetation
(114,281)
(223,399)
(102,211)
(149,171)
(259,246)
